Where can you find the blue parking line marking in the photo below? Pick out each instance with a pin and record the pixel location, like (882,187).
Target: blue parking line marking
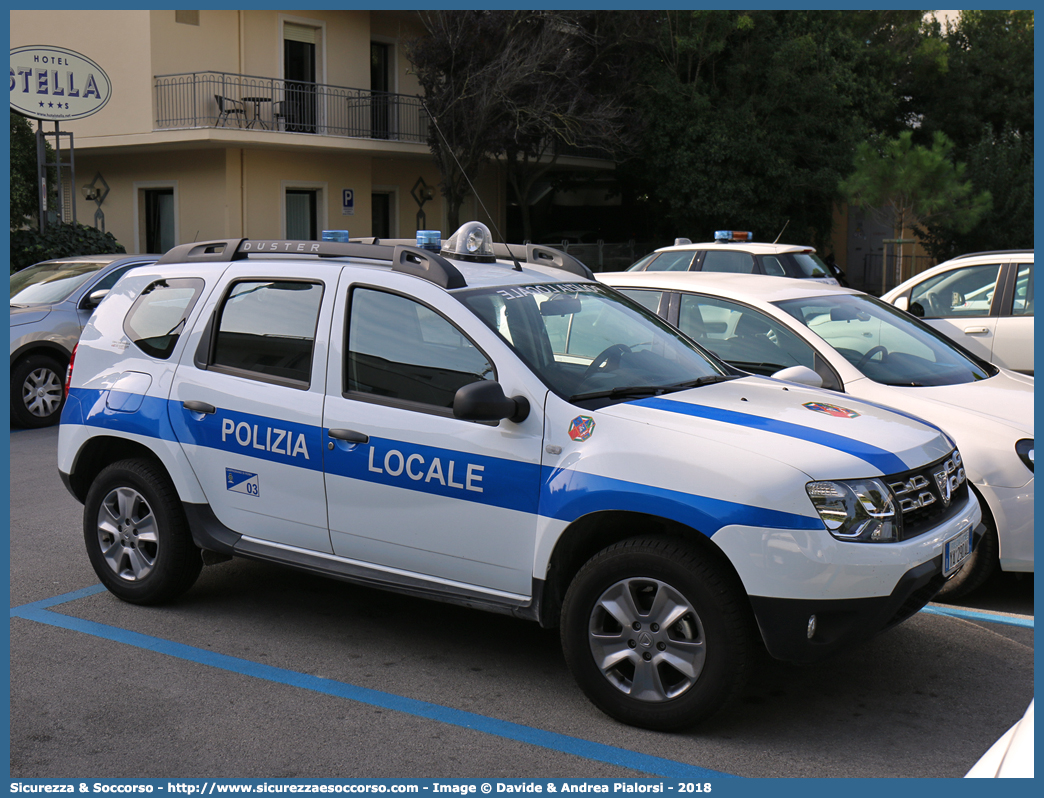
(586,749)
(1022,621)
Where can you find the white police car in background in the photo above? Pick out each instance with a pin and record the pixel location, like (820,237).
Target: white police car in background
(736,252)
(505,434)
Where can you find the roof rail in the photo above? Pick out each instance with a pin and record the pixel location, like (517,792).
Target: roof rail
(407,259)
(536,254)
(545,256)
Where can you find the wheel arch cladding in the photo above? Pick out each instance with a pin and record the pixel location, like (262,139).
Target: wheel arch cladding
(592,533)
(102,451)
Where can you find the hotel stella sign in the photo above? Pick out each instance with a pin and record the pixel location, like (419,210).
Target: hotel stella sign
(53,83)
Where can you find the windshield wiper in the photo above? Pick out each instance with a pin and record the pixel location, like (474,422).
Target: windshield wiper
(652,390)
(709,380)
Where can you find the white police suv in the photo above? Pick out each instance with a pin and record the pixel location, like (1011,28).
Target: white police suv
(492,427)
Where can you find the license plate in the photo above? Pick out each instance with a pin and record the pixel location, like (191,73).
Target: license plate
(956,550)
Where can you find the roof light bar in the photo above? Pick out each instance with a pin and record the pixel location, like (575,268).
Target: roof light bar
(733,235)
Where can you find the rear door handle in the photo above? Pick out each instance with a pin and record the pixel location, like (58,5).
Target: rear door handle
(976,330)
(198,407)
(349,435)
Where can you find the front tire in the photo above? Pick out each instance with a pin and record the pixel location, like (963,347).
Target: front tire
(136,534)
(656,634)
(37,391)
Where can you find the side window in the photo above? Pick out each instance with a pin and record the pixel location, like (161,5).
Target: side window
(772,266)
(157,317)
(400,349)
(963,292)
(741,336)
(671,262)
(109,280)
(717,260)
(1023,291)
(266,330)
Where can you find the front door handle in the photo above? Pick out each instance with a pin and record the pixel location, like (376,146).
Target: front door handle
(349,435)
(198,407)
(976,330)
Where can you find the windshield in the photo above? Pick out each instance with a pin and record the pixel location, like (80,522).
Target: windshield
(884,343)
(587,342)
(47,283)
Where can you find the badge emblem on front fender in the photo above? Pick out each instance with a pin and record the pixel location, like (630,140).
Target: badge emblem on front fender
(831,410)
(581,428)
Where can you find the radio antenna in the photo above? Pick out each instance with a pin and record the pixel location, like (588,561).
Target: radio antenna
(449,149)
(781,233)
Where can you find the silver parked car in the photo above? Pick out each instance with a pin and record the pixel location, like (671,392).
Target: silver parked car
(50,304)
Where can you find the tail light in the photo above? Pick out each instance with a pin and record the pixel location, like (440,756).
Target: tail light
(68,371)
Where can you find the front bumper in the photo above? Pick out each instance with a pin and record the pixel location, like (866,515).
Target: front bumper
(784,623)
(855,590)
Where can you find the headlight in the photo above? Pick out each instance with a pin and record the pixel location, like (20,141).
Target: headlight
(1024,449)
(860,510)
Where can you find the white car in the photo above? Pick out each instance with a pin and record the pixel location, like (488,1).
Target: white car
(867,349)
(494,428)
(736,252)
(983,301)
(1011,757)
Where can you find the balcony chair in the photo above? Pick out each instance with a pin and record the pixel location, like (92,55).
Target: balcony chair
(228,107)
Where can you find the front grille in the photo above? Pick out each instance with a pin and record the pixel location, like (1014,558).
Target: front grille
(930,495)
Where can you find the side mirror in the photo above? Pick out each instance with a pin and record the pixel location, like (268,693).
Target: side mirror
(485,401)
(903,303)
(94,298)
(802,375)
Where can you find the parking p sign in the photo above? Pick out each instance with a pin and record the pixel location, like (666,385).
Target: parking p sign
(347,202)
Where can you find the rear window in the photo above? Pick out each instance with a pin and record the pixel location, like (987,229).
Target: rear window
(157,317)
(717,260)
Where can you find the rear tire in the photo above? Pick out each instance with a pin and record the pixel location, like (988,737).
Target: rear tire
(37,391)
(656,634)
(136,534)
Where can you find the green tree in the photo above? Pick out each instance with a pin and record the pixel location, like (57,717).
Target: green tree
(752,116)
(982,101)
(25,192)
(904,184)
(988,79)
(1001,164)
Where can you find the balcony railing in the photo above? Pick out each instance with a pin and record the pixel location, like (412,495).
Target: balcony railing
(222,99)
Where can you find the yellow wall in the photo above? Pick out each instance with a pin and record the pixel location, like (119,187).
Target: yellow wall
(404,174)
(226,193)
(203,192)
(211,45)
